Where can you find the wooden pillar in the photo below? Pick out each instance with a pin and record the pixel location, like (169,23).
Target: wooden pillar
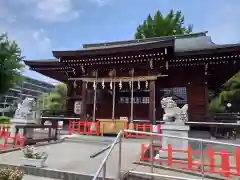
(69,100)
(152,115)
(84,99)
(159,84)
(197,95)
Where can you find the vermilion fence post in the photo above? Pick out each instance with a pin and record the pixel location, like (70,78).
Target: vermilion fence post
(170,154)
(79,127)
(150,128)
(225,163)
(137,129)
(142,152)
(20,140)
(210,154)
(237,159)
(159,128)
(190,157)
(70,127)
(5,142)
(98,128)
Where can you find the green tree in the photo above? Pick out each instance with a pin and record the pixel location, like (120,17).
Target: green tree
(158,25)
(10,64)
(55,101)
(230,93)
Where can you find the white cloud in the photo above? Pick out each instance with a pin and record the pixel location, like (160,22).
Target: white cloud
(52,10)
(100,2)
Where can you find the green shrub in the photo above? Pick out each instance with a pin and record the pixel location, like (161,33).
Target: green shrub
(9,173)
(5,120)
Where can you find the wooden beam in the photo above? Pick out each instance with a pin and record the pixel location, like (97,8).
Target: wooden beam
(118,79)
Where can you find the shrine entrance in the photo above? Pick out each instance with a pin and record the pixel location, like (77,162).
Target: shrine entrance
(117,100)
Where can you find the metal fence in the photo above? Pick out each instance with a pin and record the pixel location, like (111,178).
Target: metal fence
(202,145)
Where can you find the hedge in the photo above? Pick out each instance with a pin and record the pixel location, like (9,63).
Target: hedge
(5,120)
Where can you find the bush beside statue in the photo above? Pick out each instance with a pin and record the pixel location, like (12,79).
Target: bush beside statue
(33,158)
(5,120)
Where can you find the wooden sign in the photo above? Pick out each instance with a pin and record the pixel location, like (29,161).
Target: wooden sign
(78,107)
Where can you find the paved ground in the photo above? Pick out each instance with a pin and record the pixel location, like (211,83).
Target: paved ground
(75,157)
(29,177)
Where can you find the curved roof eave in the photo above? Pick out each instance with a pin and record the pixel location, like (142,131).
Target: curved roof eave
(200,45)
(42,62)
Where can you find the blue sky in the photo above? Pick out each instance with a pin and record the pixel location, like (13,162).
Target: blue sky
(40,26)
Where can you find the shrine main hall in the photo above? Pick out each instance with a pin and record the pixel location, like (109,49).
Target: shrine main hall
(129,78)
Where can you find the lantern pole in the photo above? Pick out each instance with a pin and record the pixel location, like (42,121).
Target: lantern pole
(131,125)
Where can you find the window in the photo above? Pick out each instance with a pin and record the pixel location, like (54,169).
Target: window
(179,94)
(145,100)
(136,100)
(13,93)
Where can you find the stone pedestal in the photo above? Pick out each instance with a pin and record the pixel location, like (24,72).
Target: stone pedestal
(175,130)
(28,134)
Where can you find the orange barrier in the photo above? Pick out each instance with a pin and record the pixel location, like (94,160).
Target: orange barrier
(4,130)
(83,127)
(17,141)
(144,127)
(224,168)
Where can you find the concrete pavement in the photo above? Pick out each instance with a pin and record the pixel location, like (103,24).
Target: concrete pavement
(29,177)
(75,157)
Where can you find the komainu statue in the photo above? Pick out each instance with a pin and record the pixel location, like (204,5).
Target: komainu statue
(172,113)
(26,110)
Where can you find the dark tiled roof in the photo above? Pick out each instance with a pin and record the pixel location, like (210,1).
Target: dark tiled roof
(200,44)
(182,43)
(140,41)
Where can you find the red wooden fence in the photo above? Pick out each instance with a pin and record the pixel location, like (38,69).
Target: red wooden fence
(226,167)
(144,127)
(9,142)
(84,127)
(4,130)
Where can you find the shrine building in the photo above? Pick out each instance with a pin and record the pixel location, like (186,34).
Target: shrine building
(129,78)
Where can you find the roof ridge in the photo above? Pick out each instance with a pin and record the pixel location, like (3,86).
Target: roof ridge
(162,38)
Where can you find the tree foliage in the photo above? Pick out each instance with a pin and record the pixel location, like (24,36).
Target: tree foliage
(159,25)
(10,64)
(55,101)
(230,93)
